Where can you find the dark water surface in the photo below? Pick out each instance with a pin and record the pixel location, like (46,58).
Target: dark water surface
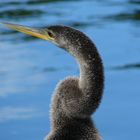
(30,67)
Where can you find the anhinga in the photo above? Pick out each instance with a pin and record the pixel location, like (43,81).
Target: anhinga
(75,98)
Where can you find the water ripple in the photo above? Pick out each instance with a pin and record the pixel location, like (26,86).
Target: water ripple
(20,13)
(31,2)
(134,1)
(124,16)
(127,66)
(18,113)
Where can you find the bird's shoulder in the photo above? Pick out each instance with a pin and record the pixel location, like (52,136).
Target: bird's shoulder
(68,86)
(68,82)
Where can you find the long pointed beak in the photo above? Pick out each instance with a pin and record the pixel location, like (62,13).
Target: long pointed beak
(40,33)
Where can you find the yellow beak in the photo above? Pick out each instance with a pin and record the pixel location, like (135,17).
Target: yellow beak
(40,33)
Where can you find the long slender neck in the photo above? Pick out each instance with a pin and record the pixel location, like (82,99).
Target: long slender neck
(91,79)
(91,72)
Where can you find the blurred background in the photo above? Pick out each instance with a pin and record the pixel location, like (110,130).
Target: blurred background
(30,68)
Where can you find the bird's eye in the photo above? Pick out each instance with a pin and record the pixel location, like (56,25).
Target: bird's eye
(50,34)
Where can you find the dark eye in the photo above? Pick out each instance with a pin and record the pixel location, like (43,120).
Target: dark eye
(50,34)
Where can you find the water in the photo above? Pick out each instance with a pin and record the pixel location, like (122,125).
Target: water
(30,68)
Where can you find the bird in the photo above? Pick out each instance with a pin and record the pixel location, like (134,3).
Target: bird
(75,98)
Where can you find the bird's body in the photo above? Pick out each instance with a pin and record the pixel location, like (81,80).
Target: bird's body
(67,125)
(75,98)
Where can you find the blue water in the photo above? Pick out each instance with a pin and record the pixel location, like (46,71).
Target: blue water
(30,68)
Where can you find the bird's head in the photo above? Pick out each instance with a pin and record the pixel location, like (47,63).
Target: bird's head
(65,37)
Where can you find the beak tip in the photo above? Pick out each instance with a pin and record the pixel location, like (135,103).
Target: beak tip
(4,23)
(25,29)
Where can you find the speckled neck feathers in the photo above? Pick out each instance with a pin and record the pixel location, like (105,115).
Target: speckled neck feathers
(76,98)
(91,76)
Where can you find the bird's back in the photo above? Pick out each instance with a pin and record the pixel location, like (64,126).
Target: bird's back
(76,129)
